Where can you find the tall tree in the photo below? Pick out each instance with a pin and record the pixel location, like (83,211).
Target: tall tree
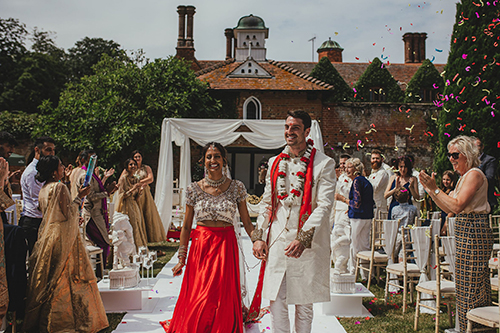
(376,80)
(88,52)
(122,106)
(472,89)
(426,81)
(326,72)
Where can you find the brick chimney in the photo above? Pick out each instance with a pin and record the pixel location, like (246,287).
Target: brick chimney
(229,42)
(414,47)
(185,41)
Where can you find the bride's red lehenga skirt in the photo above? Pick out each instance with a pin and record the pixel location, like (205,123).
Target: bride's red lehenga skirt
(210,297)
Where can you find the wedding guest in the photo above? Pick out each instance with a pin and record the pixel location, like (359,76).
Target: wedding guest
(130,191)
(379,180)
(210,299)
(155,231)
(95,208)
(342,187)
(421,192)
(62,290)
(402,179)
(405,213)
(31,216)
(360,212)
(473,235)
(448,182)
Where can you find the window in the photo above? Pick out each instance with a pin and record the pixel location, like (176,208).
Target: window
(427,96)
(252,108)
(377,94)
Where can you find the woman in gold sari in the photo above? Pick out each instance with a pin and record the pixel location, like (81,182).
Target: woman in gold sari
(62,288)
(154,227)
(130,192)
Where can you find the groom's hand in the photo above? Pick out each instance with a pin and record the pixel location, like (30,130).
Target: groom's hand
(260,249)
(295,249)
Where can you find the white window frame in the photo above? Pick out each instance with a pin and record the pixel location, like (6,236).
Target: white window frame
(256,101)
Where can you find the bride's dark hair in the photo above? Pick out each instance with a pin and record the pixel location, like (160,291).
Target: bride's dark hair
(46,167)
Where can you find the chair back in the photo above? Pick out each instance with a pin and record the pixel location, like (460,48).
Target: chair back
(407,249)
(449,250)
(387,232)
(440,272)
(421,243)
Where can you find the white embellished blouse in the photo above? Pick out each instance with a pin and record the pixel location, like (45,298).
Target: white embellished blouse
(222,207)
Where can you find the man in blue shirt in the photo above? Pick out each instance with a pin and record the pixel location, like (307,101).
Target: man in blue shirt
(31,217)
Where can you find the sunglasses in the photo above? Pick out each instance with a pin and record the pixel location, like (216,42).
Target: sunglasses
(453,155)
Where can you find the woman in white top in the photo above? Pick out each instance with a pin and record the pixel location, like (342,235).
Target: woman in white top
(473,235)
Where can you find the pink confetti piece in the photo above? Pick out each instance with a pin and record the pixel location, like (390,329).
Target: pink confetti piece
(447,134)
(492,113)
(357,323)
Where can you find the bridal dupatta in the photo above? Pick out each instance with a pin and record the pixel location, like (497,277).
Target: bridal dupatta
(62,287)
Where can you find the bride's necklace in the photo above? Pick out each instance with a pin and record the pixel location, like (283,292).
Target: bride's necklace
(215,183)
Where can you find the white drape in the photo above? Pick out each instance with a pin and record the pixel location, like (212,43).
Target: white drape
(421,244)
(390,234)
(451,226)
(266,134)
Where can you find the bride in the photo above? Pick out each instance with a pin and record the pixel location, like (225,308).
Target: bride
(210,299)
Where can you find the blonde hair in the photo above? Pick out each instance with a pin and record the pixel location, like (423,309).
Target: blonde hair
(356,163)
(467,146)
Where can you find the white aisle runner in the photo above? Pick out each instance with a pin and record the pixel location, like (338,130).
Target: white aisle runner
(163,297)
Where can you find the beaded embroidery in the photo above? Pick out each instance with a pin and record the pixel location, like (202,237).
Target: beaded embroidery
(222,207)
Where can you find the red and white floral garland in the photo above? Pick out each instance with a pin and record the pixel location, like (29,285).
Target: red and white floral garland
(297,189)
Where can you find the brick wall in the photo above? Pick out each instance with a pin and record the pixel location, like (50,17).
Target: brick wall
(384,126)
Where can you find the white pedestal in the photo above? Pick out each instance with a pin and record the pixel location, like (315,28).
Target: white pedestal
(343,284)
(124,299)
(348,305)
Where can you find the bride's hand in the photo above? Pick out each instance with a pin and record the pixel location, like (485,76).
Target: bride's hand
(177,270)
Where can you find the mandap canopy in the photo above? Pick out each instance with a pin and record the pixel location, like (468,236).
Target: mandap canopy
(266,134)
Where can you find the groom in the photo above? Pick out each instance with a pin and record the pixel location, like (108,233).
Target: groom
(295,212)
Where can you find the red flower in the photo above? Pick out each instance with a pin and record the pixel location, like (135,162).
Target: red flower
(295,192)
(310,141)
(282,196)
(281,174)
(301,174)
(304,159)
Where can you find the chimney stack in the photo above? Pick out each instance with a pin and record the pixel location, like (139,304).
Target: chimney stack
(414,47)
(181,40)
(185,42)
(229,42)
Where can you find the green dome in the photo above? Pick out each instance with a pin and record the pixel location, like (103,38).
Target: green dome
(251,22)
(329,45)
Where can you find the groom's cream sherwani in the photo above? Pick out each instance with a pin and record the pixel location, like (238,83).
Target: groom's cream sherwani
(307,277)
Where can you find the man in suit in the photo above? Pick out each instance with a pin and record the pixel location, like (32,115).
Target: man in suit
(295,211)
(487,166)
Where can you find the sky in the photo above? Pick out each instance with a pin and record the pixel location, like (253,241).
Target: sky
(364,28)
